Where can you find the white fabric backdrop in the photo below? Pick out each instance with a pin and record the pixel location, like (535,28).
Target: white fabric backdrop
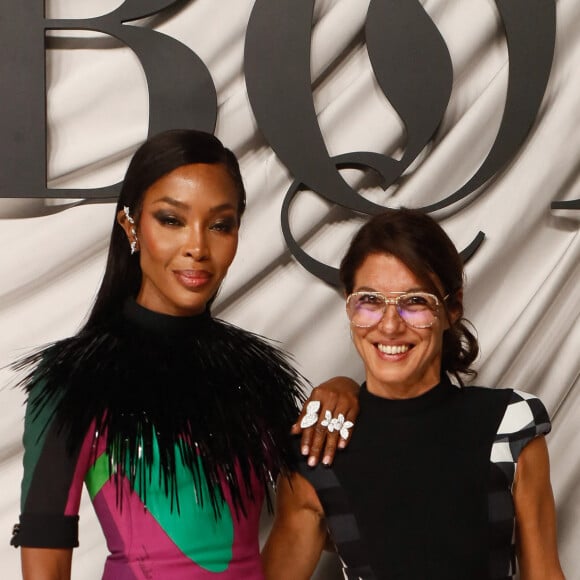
(523,291)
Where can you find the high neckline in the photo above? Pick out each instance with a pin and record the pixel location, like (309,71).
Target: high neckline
(398,407)
(163,323)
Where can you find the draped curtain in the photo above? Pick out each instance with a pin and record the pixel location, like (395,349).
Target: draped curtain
(522,288)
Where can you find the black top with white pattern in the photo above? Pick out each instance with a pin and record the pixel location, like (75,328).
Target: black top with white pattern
(424,489)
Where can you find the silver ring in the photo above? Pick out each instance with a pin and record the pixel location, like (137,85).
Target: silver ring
(344,433)
(337,424)
(332,423)
(311,416)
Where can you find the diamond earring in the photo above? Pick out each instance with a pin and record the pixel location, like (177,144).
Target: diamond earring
(133,230)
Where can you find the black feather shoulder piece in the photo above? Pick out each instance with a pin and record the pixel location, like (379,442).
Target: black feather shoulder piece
(202,391)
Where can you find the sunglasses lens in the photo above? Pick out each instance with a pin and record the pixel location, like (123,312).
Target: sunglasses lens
(365,309)
(418,309)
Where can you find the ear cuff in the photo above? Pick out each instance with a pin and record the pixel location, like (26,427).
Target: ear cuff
(133,230)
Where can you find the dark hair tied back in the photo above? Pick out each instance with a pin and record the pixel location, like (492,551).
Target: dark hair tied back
(421,244)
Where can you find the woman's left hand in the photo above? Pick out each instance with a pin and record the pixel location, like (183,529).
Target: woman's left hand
(327,419)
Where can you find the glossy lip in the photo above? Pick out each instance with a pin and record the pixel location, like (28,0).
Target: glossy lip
(192,279)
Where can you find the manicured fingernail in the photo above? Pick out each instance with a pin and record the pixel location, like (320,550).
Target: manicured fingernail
(327,460)
(342,444)
(312,461)
(305,450)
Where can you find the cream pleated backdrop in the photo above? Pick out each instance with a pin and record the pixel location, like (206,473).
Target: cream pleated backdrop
(523,286)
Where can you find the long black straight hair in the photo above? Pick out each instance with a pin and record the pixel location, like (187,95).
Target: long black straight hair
(158,156)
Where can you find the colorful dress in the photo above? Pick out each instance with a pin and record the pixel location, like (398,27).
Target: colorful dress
(176,450)
(424,488)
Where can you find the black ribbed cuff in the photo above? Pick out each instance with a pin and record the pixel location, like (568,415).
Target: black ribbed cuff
(46,531)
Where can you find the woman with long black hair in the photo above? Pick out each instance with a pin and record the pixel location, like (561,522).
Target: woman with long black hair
(177,422)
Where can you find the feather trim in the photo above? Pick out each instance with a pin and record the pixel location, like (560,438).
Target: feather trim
(216,397)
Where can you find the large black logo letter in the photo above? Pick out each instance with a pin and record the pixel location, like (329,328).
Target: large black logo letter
(181,90)
(413,68)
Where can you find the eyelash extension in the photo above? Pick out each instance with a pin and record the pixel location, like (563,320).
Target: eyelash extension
(167,219)
(224,225)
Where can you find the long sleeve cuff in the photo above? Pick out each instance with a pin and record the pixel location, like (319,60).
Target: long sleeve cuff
(46,531)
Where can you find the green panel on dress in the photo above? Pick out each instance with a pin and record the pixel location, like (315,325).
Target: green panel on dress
(97,475)
(190,525)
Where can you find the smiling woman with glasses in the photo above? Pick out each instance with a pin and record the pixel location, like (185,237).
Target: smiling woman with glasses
(441,481)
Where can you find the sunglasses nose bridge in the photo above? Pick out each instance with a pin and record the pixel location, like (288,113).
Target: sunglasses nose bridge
(390,301)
